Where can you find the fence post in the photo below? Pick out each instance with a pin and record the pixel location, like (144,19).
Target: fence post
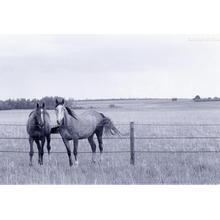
(132,160)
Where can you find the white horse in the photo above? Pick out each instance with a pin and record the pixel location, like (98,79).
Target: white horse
(75,127)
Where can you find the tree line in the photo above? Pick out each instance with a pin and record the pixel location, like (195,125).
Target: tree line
(199,99)
(31,103)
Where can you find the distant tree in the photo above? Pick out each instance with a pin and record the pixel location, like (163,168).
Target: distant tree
(31,103)
(197,98)
(174,99)
(216,99)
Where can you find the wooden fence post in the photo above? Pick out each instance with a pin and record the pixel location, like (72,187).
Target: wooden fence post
(132,160)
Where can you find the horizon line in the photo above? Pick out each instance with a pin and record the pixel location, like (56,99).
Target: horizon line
(95,99)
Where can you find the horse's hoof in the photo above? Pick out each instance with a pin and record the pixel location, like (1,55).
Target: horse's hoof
(76,163)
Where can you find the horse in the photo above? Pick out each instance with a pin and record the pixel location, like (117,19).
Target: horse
(84,126)
(38,129)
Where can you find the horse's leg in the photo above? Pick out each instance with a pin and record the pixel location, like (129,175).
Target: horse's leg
(31,141)
(39,151)
(99,133)
(93,146)
(75,150)
(66,142)
(42,149)
(48,145)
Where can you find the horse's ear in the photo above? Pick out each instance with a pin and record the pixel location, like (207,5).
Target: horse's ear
(57,102)
(62,102)
(38,105)
(43,105)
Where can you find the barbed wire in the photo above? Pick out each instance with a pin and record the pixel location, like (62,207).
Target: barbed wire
(59,138)
(52,125)
(138,124)
(122,151)
(170,138)
(175,125)
(125,138)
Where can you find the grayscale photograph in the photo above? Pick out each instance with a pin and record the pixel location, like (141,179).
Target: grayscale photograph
(109,109)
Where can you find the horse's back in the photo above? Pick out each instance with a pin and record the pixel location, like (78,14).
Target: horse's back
(87,123)
(90,115)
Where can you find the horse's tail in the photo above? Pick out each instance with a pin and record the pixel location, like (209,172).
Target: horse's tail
(109,127)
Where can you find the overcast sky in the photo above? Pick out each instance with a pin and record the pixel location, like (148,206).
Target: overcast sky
(109,66)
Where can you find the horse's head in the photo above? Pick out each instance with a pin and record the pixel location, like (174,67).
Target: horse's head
(39,114)
(60,110)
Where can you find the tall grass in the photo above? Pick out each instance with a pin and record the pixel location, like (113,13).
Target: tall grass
(150,168)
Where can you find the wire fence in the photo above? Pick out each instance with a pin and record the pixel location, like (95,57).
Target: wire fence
(122,151)
(137,124)
(125,138)
(131,138)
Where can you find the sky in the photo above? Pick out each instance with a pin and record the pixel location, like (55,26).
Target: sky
(109,66)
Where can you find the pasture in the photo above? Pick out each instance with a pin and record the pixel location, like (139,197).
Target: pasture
(150,168)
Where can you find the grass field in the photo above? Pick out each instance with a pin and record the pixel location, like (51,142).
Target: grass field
(150,168)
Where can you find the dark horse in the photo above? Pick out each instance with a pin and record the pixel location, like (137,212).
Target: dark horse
(75,127)
(38,128)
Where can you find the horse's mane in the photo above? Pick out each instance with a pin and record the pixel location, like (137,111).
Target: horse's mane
(71,112)
(31,113)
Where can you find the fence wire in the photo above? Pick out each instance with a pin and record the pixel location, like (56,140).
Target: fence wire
(136,124)
(124,138)
(123,151)
(127,138)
